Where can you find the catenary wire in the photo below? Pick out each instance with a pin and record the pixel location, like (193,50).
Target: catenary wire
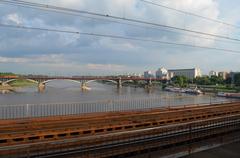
(119,18)
(190,13)
(125,23)
(118,37)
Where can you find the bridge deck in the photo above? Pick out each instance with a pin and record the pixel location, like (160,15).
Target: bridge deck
(96,128)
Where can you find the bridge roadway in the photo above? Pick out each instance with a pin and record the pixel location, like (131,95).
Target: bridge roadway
(42,81)
(93,132)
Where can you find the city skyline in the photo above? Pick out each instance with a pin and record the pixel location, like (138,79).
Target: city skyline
(141,73)
(44,52)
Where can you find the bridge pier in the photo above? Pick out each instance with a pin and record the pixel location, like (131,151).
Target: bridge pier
(4,84)
(41,87)
(119,83)
(84,86)
(149,83)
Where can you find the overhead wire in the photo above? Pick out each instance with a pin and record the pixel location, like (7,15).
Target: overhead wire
(39,5)
(124,23)
(190,13)
(117,37)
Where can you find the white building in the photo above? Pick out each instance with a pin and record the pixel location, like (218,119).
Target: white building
(188,73)
(148,74)
(213,73)
(223,74)
(162,73)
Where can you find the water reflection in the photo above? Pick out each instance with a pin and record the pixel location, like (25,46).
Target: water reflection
(5,91)
(64,92)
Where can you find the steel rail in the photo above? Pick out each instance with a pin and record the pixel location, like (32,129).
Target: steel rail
(94,137)
(110,115)
(64,130)
(42,133)
(147,114)
(149,119)
(194,130)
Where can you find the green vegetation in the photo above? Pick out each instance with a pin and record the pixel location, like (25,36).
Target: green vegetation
(180,81)
(22,83)
(7,74)
(213,80)
(208,84)
(237,79)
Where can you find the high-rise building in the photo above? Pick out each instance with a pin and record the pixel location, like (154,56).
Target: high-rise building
(232,76)
(188,73)
(223,74)
(162,73)
(148,74)
(213,73)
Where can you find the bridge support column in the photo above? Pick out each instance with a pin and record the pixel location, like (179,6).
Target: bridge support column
(149,83)
(84,86)
(41,87)
(4,84)
(119,83)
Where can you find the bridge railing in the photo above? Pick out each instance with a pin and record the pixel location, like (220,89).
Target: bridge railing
(61,109)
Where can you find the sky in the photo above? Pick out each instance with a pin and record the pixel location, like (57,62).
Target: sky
(53,53)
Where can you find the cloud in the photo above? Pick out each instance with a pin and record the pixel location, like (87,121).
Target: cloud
(13,18)
(52,58)
(13,60)
(107,67)
(68,52)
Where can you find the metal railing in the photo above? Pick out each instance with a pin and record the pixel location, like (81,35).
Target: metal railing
(61,109)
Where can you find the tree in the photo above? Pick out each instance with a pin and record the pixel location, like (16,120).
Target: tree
(202,80)
(237,79)
(6,73)
(181,81)
(213,80)
(228,80)
(216,80)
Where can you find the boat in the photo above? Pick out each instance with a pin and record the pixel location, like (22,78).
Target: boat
(193,91)
(174,89)
(228,95)
(184,90)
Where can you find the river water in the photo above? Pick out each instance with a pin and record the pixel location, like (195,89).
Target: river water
(68,92)
(67,98)
(15,104)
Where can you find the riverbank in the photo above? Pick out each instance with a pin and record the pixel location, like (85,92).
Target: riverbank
(8,88)
(22,83)
(218,88)
(16,85)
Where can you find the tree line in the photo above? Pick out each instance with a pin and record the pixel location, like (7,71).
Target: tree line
(7,74)
(182,81)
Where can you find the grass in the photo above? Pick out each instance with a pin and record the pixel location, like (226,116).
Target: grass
(22,83)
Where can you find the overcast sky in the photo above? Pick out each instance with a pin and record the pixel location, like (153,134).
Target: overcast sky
(29,51)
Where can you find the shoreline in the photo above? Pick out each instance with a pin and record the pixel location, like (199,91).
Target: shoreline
(7,88)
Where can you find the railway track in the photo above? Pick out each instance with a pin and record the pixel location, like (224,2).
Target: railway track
(154,117)
(159,136)
(30,134)
(94,120)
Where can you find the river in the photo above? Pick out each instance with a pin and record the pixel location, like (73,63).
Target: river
(68,92)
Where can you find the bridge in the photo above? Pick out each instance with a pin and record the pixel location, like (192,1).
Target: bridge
(83,81)
(120,133)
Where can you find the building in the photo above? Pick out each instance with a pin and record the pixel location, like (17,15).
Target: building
(148,74)
(223,74)
(162,73)
(232,76)
(188,73)
(213,73)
